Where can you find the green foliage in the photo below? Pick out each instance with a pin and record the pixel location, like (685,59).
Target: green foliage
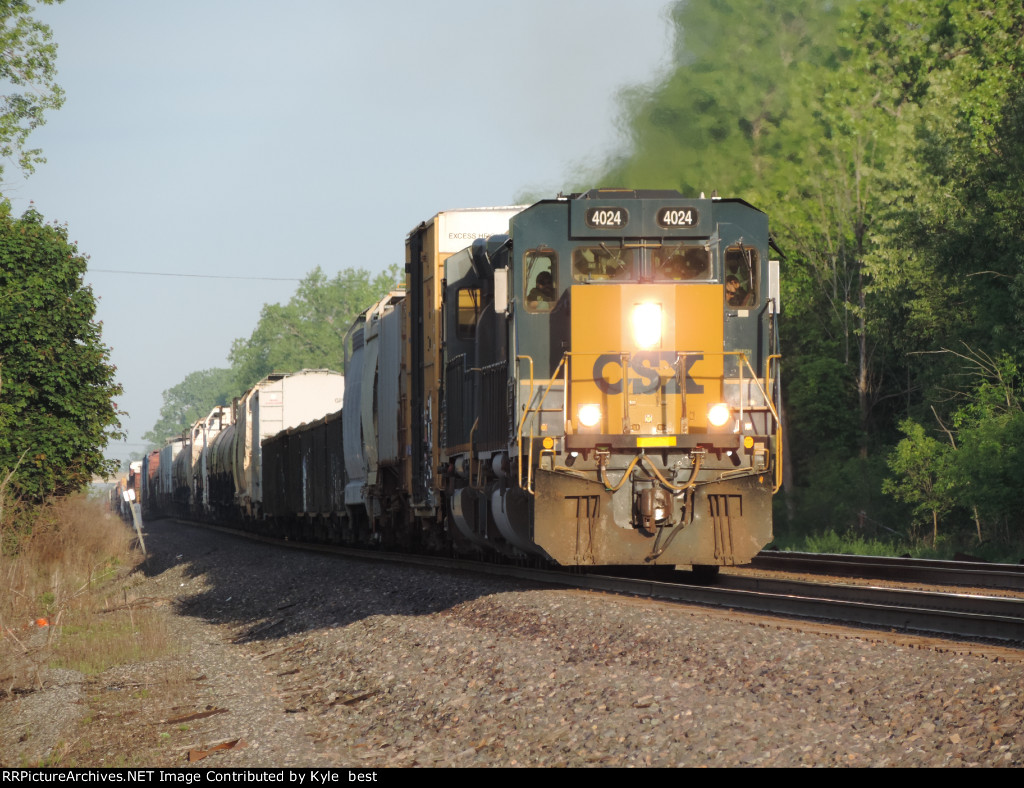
(821,405)
(714,122)
(959,222)
(990,465)
(309,331)
(27,70)
(925,474)
(975,467)
(840,491)
(57,411)
(191,400)
(989,430)
(851,544)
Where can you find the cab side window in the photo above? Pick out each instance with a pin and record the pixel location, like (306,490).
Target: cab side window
(468,312)
(740,272)
(540,280)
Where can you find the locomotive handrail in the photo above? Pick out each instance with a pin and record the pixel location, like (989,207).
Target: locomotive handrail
(778,423)
(540,409)
(519,429)
(529,409)
(762,387)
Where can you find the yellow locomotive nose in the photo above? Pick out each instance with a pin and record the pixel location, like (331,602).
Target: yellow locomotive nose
(646,359)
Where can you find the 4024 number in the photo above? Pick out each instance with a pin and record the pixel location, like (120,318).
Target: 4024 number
(672,218)
(607,217)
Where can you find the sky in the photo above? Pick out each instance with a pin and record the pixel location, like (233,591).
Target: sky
(258,140)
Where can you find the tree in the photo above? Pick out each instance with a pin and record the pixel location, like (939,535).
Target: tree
(965,219)
(309,331)
(720,120)
(989,439)
(27,69)
(924,474)
(57,409)
(191,400)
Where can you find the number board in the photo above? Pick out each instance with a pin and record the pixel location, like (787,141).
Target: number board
(634,219)
(678,218)
(607,217)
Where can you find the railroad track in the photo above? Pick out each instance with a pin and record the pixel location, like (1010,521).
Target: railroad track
(975,574)
(930,613)
(937,614)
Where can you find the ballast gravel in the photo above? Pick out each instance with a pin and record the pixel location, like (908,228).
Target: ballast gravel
(306,660)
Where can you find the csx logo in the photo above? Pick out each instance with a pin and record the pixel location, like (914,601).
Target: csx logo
(645,372)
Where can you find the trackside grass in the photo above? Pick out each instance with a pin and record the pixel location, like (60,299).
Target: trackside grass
(65,594)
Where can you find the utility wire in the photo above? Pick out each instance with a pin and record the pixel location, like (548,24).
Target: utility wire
(196,276)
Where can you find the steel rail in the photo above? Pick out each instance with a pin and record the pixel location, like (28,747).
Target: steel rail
(921,613)
(974,604)
(911,570)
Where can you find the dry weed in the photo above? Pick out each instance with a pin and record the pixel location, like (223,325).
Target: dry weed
(59,581)
(98,641)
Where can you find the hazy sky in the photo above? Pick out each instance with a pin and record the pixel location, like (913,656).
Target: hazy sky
(248,138)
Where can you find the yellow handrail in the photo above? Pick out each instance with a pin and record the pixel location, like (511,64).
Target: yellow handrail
(530,409)
(519,429)
(779,459)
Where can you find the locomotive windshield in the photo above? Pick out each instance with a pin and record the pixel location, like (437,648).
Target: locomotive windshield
(681,261)
(671,262)
(602,262)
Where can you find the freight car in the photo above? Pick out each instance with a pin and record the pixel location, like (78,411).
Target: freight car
(213,470)
(593,379)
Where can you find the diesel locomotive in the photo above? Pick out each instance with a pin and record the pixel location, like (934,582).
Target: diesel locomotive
(592,379)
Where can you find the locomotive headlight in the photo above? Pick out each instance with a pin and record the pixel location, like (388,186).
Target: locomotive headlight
(589,415)
(646,321)
(719,414)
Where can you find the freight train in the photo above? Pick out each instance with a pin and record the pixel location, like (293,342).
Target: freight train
(592,379)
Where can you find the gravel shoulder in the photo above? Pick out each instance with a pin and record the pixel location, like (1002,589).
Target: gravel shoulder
(287,658)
